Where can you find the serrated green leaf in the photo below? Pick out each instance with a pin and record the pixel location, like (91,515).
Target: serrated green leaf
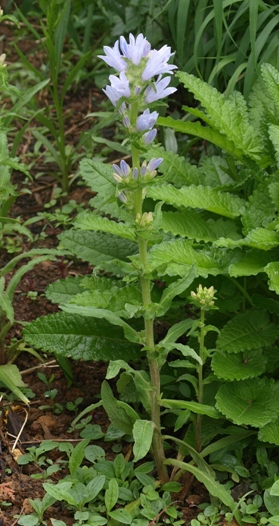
(89,221)
(105,314)
(96,247)
(270,432)
(178,256)
(98,176)
(246,331)
(142,433)
(251,402)
(80,337)
(202,197)
(187,224)
(238,366)
(176,170)
(272,270)
(250,264)
(204,132)
(63,289)
(227,114)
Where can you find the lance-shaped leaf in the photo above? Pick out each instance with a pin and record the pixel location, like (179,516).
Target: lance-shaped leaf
(174,289)
(238,366)
(253,402)
(215,488)
(89,221)
(246,331)
(250,264)
(96,247)
(10,376)
(103,314)
(142,433)
(117,415)
(81,337)
(195,407)
(176,170)
(202,197)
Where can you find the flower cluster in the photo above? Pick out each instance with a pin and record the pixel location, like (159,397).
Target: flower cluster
(204,297)
(123,174)
(137,64)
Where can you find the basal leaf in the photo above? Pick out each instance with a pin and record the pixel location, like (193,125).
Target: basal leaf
(90,221)
(238,366)
(214,487)
(142,433)
(96,247)
(202,197)
(246,331)
(111,494)
(11,378)
(251,402)
(81,337)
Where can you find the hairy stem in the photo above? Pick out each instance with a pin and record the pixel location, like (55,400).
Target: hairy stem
(200,379)
(154,369)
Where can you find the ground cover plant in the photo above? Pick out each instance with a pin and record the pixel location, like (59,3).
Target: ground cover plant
(182,301)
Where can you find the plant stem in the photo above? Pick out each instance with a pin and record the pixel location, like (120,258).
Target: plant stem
(200,379)
(154,369)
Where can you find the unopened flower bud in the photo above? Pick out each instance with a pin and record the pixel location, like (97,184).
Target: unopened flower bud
(204,297)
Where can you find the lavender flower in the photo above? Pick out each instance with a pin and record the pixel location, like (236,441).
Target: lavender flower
(119,88)
(158,63)
(146,120)
(149,137)
(139,49)
(123,170)
(151,167)
(113,57)
(159,90)
(136,49)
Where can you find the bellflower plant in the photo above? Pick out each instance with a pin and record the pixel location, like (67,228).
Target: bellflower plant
(141,82)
